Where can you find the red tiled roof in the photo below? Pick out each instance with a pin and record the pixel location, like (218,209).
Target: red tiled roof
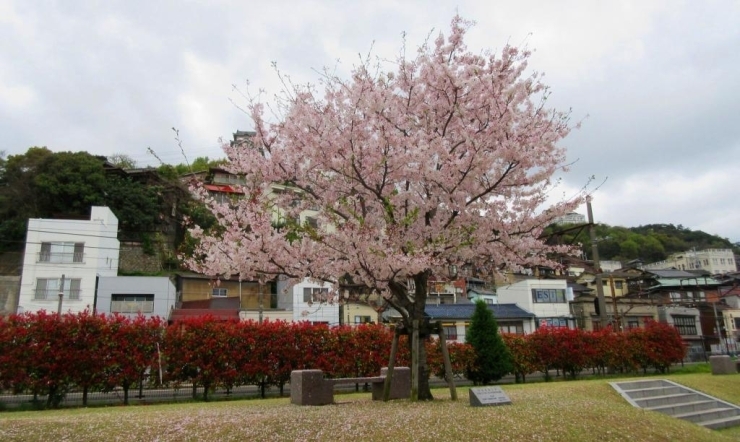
(223,188)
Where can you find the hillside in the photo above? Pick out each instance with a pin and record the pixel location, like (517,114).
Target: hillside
(652,242)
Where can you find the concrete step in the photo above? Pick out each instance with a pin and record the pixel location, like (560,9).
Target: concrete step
(668,399)
(674,409)
(654,391)
(708,415)
(680,402)
(647,383)
(722,423)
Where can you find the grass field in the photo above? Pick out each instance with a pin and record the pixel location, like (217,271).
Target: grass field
(587,410)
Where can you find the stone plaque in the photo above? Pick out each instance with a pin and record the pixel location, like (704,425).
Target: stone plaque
(485,396)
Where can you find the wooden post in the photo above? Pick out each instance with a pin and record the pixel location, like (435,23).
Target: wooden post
(446,359)
(391,364)
(415,361)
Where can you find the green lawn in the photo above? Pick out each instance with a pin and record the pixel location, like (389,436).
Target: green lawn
(588,410)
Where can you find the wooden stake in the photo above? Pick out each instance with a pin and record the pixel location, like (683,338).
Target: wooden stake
(446,358)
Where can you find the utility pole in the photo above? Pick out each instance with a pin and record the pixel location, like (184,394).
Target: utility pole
(722,343)
(617,316)
(61,295)
(259,299)
(597,265)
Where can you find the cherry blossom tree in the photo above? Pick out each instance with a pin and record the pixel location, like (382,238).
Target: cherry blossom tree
(407,168)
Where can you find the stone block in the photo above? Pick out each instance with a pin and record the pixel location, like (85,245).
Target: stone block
(722,364)
(307,387)
(400,384)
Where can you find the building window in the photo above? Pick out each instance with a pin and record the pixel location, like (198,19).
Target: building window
(61,252)
(450,332)
(633,323)
(489,301)
(219,292)
(512,328)
(618,285)
(312,222)
(700,296)
(47,288)
(675,297)
(686,325)
(132,303)
(737,323)
(550,296)
(363,319)
(315,294)
(553,322)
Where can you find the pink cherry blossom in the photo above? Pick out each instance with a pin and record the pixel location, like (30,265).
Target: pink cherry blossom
(446,160)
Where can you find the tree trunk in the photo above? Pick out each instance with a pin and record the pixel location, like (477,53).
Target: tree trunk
(206,387)
(425,392)
(413,307)
(126,385)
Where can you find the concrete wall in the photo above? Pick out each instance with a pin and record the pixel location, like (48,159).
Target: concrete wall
(133,259)
(9,286)
(165,294)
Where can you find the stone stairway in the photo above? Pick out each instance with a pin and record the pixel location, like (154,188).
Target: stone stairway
(680,402)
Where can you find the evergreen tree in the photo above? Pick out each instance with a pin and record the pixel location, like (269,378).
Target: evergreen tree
(492,358)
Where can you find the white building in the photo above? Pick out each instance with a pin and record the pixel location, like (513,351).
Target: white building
(310,302)
(66,256)
(571,218)
(133,295)
(715,261)
(546,298)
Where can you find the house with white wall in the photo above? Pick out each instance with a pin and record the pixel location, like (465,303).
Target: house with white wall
(547,299)
(136,295)
(65,257)
(310,303)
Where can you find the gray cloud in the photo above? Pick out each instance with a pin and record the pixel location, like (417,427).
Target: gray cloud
(657,79)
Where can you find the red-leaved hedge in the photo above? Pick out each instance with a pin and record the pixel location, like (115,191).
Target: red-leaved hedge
(45,355)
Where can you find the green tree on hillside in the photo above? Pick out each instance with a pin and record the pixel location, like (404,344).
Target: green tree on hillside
(44,184)
(492,360)
(653,242)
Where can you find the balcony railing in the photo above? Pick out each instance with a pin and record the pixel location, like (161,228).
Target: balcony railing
(54,294)
(61,258)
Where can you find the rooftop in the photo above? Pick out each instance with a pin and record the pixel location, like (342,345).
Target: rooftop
(465,311)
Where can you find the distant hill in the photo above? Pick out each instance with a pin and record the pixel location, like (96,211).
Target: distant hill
(652,242)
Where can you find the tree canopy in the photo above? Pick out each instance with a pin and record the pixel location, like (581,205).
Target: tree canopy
(45,184)
(651,243)
(446,160)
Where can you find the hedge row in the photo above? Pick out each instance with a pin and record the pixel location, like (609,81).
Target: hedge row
(657,346)
(45,355)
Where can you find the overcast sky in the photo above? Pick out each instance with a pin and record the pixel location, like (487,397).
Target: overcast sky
(656,83)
